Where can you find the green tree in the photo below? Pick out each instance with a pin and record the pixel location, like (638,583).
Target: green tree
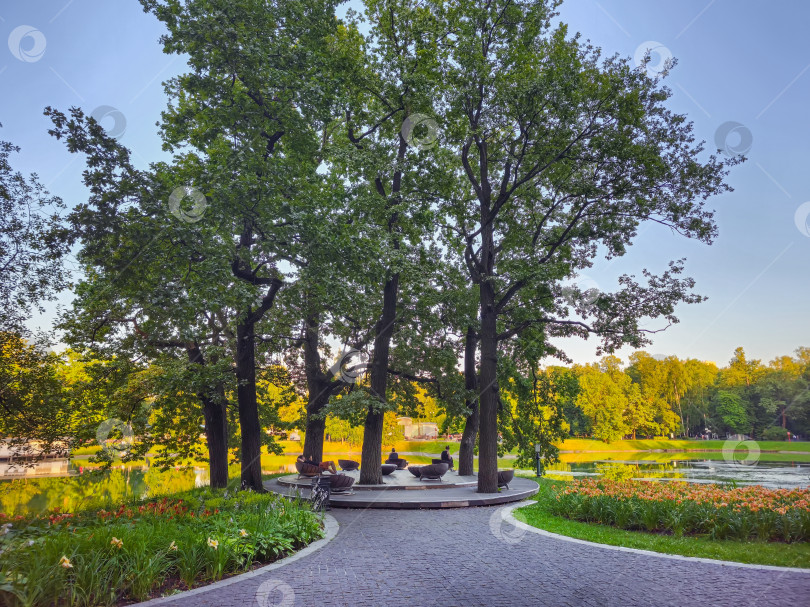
(603,402)
(535,412)
(395,183)
(730,412)
(555,152)
(740,372)
(700,388)
(741,377)
(650,375)
(34,420)
(660,384)
(153,287)
(31,245)
(782,391)
(258,149)
(342,430)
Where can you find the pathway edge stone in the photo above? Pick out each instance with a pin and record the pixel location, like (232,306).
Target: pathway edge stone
(331,528)
(509,516)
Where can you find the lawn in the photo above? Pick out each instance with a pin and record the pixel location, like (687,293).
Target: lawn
(540,515)
(586,444)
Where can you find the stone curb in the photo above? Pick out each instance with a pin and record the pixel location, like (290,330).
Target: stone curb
(510,517)
(330,528)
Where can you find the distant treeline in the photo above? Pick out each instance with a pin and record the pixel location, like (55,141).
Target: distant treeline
(656,396)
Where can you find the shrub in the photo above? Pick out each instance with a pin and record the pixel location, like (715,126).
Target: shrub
(105,557)
(774,433)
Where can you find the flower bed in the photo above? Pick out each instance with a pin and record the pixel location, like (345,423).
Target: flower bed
(141,550)
(743,513)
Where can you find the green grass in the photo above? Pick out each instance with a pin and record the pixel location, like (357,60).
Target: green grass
(586,444)
(581,444)
(752,552)
(659,457)
(803,457)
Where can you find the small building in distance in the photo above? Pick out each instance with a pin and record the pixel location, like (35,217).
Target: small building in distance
(415,429)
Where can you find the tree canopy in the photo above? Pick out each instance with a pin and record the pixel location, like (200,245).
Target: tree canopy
(422,184)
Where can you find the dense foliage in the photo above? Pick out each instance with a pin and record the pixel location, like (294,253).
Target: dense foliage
(423,182)
(32,244)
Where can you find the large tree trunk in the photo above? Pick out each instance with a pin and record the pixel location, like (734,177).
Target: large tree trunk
(248,407)
(313,439)
(246,364)
(488,433)
(371,459)
(488,438)
(467,449)
(216,425)
(320,389)
(216,435)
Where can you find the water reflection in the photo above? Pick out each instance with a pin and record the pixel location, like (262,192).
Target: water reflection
(94,489)
(77,485)
(766,473)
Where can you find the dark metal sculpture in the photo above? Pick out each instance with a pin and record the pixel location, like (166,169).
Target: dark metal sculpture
(434,472)
(347,465)
(505,477)
(307,470)
(340,483)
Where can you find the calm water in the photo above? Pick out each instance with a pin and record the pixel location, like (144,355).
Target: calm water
(93,489)
(70,486)
(774,474)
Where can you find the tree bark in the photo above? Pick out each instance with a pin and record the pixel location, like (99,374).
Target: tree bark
(467,447)
(320,389)
(248,407)
(313,439)
(488,433)
(216,425)
(488,437)
(371,459)
(246,363)
(216,435)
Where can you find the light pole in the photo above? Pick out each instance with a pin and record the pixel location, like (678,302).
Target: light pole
(538,460)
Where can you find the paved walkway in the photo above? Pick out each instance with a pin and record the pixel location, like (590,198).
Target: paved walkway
(469,557)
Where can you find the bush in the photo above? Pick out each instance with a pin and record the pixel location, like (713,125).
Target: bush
(774,433)
(126,554)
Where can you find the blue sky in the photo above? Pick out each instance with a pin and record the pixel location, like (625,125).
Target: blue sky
(738,61)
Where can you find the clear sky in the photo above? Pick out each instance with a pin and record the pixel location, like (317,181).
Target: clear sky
(739,61)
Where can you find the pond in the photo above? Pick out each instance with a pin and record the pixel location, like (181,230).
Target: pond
(768,470)
(73,485)
(77,484)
